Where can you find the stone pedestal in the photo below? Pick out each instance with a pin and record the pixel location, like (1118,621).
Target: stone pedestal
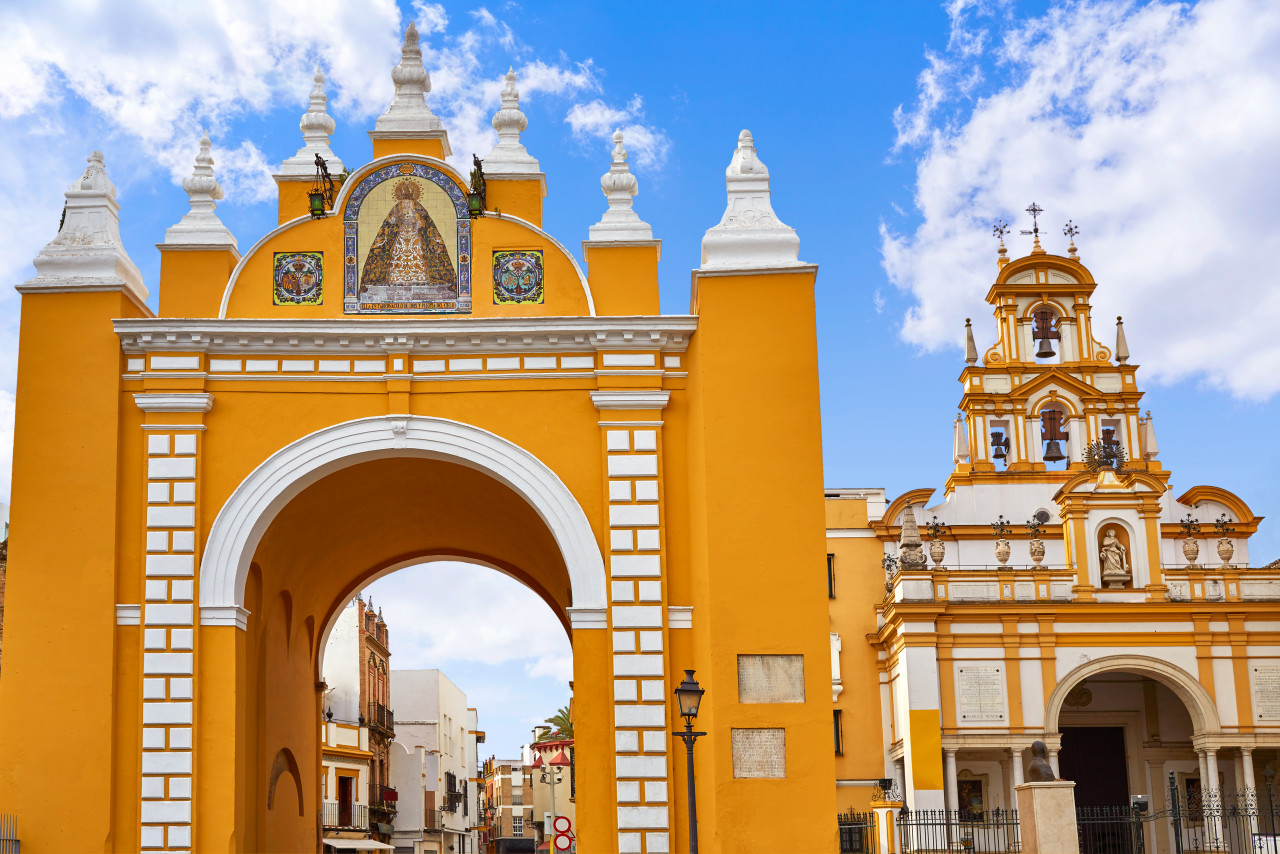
(1047,817)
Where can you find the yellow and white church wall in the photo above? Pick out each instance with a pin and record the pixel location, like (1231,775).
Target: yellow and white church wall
(228,471)
(985,642)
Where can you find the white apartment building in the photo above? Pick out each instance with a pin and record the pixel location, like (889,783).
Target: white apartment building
(433,760)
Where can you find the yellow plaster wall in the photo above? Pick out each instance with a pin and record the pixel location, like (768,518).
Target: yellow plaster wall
(624,279)
(518,198)
(757,467)
(192,281)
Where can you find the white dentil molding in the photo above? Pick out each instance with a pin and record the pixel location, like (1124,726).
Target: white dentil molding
(244,518)
(749,234)
(419,338)
(88,253)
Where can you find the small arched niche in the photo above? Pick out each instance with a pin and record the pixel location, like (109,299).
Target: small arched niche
(1115,555)
(1046,337)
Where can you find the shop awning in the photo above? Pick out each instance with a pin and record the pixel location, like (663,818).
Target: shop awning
(358,845)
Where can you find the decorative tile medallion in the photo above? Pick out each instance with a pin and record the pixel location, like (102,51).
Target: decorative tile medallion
(407,243)
(298,278)
(517,277)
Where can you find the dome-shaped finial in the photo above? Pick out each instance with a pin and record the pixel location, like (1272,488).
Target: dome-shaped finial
(409,111)
(201,225)
(619,222)
(1071,230)
(1000,229)
(749,233)
(509,157)
(1122,346)
(970,348)
(316,125)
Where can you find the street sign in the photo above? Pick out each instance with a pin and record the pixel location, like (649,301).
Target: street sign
(563,840)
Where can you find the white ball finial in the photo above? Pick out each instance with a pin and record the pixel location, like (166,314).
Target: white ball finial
(316,126)
(200,225)
(509,158)
(620,222)
(750,233)
(409,111)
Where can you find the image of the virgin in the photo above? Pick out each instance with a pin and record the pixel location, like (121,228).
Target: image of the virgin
(409,251)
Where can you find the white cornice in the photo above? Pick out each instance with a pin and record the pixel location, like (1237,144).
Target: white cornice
(762,270)
(629,399)
(587,618)
(415,336)
(224,615)
(174,402)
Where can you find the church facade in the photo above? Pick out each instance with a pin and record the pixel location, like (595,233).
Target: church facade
(1058,589)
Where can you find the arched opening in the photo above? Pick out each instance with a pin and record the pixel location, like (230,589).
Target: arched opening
(325,528)
(1133,726)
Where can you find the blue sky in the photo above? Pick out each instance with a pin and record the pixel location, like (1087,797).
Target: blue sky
(894,134)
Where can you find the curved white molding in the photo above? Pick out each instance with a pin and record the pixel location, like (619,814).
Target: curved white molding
(174,402)
(628,399)
(248,513)
(244,259)
(1204,714)
(582,279)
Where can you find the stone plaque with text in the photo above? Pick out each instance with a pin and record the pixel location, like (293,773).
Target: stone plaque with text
(980,692)
(759,752)
(771,679)
(1266,691)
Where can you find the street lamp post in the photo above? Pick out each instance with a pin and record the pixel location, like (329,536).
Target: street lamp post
(689,697)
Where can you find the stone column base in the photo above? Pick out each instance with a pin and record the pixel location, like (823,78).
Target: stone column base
(1047,817)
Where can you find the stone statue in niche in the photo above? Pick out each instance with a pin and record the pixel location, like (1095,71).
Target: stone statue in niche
(1040,771)
(1115,560)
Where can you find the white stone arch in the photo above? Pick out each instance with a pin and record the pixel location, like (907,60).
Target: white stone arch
(247,514)
(1199,705)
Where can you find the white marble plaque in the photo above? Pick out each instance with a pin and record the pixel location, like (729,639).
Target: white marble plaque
(1266,691)
(759,752)
(771,679)
(980,692)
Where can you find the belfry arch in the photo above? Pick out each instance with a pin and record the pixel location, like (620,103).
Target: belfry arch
(1199,705)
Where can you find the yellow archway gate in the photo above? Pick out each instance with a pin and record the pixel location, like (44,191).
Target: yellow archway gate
(197,488)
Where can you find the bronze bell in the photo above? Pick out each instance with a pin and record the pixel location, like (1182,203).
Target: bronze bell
(1000,443)
(1046,349)
(1053,452)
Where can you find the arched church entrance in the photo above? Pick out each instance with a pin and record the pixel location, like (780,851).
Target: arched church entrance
(1136,727)
(335,510)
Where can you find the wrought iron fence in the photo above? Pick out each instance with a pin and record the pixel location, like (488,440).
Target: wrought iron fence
(9,843)
(857,832)
(1113,829)
(929,831)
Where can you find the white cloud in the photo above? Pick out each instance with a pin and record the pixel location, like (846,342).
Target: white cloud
(1153,127)
(647,147)
(451,612)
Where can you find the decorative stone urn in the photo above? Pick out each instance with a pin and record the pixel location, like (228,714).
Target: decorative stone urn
(1003,551)
(1190,550)
(937,551)
(1037,552)
(1226,549)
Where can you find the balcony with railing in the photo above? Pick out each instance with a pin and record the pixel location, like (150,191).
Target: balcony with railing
(384,798)
(345,816)
(381,719)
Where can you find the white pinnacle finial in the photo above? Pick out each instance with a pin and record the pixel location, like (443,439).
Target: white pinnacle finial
(316,126)
(201,225)
(749,233)
(88,251)
(409,115)
(620,222)
(509,156)
(960,441)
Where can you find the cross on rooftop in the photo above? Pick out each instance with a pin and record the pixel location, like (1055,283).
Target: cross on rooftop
(1035,211)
